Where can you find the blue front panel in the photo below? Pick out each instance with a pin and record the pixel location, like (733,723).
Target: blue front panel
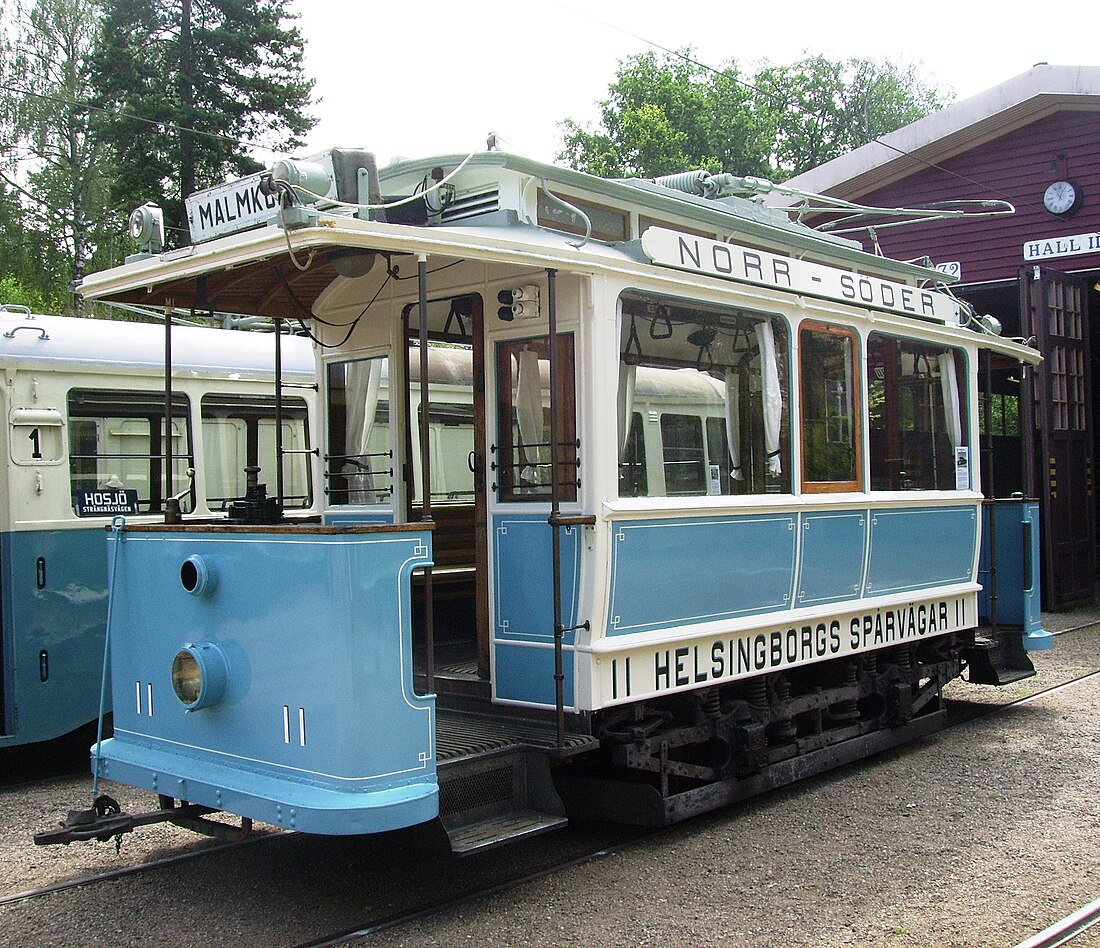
(1017,546)
(674,572)
(921,547)
(523,567)
(53,635)
(319,728)
(523,607)
(833,547)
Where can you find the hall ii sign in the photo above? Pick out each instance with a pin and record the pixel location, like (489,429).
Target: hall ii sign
(1071,246)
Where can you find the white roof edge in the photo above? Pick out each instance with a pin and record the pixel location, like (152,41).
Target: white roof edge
(1040,80)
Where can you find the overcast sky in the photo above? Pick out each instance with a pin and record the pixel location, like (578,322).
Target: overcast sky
(430,77)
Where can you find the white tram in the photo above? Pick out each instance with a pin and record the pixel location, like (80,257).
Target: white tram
(703,509)
(84,405)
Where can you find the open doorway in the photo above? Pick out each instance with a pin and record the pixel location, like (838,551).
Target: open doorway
(455,420)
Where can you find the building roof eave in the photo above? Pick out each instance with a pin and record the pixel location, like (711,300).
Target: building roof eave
(1019,101)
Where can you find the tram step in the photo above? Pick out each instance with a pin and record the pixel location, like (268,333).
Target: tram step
(995,662)
(489,799)
(496,830)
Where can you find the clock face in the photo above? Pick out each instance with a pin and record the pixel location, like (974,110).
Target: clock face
(1062,197)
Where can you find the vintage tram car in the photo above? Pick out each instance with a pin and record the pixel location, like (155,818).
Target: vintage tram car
(693,510)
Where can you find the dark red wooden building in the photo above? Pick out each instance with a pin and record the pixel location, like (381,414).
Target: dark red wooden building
(1033,141)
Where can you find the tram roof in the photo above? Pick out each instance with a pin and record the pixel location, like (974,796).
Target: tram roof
(260,271)
(39,338)
(251,272)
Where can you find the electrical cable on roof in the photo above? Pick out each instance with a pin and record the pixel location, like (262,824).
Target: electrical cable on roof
(415,196)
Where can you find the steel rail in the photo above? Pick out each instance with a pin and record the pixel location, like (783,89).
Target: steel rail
(1064,931)
(439,905)
(109,875)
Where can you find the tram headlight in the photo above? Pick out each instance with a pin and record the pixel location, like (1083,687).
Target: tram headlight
(200,674)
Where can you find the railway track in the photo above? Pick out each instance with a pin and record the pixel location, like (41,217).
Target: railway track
(122,872)
(602,847)
(374,926)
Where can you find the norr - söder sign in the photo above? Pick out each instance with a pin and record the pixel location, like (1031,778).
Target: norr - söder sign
(733,262)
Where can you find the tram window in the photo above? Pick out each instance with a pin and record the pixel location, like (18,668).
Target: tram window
(450,421)
(716,380)
(359,460)
(632,468)
(116,440)
(682,446)
(830,409)
(607,223)
(916,408)
(238,431)
(523,413)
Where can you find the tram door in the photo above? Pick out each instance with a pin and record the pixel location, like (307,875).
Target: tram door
(1055,310)
(456,439)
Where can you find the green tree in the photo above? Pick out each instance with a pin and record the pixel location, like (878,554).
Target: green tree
(186,83)
(825,108)
(50,164)
(667,113)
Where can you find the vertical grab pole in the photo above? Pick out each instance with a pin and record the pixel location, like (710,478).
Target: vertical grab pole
(425,463)
(279,413)
(555,503)
(987,420)
(171,509)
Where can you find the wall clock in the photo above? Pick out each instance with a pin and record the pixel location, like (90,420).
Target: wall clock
(1062,198)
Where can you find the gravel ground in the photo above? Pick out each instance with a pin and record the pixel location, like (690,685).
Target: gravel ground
(978,836)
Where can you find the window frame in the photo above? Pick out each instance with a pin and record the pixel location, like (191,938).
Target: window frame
(128,402)
(858,399)
(505,487)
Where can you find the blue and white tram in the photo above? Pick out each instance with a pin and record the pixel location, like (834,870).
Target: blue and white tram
(84,405)
(702,515)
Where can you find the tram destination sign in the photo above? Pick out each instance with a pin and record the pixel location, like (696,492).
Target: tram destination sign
(105,503)
(230,207)
(668,248)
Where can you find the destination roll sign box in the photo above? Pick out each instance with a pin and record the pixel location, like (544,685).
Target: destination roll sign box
(747,265)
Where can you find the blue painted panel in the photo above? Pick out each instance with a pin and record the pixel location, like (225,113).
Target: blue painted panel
(920,547)
(66,618)
(833,548)
(673,572)
(319,723)
(523,593)
(346,516)
(525,673)
(1018,590)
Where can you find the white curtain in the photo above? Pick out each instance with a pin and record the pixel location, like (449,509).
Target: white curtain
(733,423)
(949,384)
(529,414)
(772,396)
(363,380)
(628,375)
